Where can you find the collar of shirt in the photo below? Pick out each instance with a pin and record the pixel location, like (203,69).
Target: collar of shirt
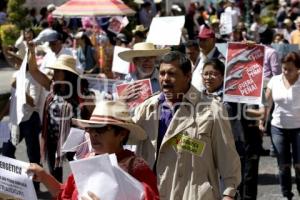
(209,55)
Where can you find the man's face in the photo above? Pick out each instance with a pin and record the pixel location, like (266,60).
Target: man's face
(145,66)
(206,45)
(55,46)
(172,79)
(192,53)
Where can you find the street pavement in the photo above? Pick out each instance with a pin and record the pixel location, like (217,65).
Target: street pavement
(268,187)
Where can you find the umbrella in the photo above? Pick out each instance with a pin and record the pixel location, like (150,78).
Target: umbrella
(79,8)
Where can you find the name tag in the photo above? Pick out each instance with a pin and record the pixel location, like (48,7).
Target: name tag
(185,143)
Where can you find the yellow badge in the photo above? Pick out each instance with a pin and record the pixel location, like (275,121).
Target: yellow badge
(191,145)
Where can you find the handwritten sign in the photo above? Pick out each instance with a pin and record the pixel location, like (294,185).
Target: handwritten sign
(14,181)
(243,81)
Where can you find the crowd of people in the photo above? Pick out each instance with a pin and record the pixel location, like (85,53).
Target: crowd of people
(188,142)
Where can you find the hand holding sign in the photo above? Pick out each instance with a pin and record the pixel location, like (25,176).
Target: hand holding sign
(131,92)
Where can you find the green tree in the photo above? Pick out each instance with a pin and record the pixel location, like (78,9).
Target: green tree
(17,13)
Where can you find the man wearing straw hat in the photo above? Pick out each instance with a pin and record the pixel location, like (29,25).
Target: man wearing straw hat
(109,127)
(189,143)
(143,56)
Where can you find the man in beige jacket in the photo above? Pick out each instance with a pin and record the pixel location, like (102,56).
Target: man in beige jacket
(189,142)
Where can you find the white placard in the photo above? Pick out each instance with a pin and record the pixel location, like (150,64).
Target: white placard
(225,23)
(166,30)
(15,183)
(118,64)
(102,176)
(74,139)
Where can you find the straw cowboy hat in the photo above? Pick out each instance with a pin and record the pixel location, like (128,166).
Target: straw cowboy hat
(113,113)
(142,49)
(139,28)
(65,62)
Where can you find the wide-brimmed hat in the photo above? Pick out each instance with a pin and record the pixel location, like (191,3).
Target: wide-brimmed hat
(142,49)
(288,22)
(65,62)
(297,21)
(113,113)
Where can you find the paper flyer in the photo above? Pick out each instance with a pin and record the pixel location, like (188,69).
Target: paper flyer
(243,81)
(144,92)
(102,176)
(14,181)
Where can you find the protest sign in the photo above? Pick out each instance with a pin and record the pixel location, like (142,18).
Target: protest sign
(119,65)
(117,23)
(225,23)
(166,30)
(243,81)
(103,177)
(14,181)
(145,91)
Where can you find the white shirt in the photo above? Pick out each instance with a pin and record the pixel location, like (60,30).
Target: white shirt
(51,57)
(197,81)
(33,89)
(286,112)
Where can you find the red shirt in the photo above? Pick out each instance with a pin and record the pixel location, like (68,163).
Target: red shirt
(129,162)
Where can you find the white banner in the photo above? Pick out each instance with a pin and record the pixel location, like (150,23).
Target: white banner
(15,183)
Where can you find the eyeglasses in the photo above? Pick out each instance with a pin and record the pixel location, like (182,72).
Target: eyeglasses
(210,74)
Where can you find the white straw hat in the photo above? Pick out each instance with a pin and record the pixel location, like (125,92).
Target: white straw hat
(142,49)
(113,113)
(65,62)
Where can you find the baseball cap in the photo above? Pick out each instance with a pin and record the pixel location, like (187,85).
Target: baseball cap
(47,35)
(205,32)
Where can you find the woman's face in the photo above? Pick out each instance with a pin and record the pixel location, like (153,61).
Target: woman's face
(290,71)
(105,140)
(212,78)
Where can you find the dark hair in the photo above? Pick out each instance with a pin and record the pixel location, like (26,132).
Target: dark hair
(184,63)
(191,43)
(266,37)
(217,65)
(118,130)
(293,57)
(27,30)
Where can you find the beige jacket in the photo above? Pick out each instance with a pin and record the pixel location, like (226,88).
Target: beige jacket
(196,148)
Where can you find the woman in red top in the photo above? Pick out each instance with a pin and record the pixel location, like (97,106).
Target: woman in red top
(109,127)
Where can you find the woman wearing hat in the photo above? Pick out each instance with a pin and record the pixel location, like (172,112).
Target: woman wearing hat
(109,127)
(62,103)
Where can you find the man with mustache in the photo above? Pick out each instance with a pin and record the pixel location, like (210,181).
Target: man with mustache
(189,141)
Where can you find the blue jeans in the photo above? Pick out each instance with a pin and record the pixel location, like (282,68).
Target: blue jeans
(283,140)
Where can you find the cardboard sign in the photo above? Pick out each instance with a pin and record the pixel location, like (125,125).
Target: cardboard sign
(166,30)
(15,183)
(243,81)
(145,91)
